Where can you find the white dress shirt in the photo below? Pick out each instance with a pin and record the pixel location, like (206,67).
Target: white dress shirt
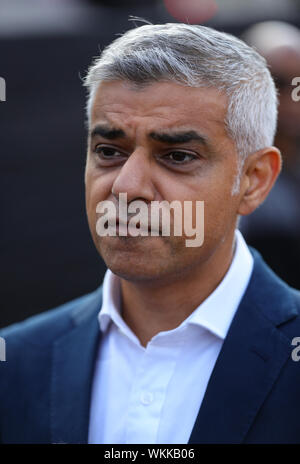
(153,394)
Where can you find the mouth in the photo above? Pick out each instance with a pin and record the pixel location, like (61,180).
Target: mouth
(137,229)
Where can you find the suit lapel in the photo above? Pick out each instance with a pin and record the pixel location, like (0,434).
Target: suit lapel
(72,371)
(250,360)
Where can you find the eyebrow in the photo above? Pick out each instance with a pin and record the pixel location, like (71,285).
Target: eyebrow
(108,132)
(112,133)
(179,137)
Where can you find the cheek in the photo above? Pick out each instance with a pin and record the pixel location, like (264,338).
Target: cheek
(220,215)
(219,204)
(97,187)
(96,191)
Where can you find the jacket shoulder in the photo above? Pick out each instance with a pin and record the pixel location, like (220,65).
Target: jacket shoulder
(43,328)
(272,297)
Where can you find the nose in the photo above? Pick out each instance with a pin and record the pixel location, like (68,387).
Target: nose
(135,178)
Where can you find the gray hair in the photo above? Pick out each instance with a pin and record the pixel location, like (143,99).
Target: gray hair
(197,56)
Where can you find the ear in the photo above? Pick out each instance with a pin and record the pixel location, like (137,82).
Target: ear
(260,172)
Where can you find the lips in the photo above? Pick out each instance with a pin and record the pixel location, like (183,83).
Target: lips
(127,226)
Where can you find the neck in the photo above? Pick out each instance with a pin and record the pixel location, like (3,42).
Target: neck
(149,308)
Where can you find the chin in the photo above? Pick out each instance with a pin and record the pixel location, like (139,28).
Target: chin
(135,267)
(124,258)
(134,272)
(144,259)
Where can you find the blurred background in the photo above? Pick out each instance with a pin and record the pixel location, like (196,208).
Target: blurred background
(47,255)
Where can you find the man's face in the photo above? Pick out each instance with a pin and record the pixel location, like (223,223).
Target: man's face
(161,142)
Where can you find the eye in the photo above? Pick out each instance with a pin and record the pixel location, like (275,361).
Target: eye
(179,157)
(107,153)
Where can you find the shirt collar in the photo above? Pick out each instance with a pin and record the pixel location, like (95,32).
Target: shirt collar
(215,313)
(111,301)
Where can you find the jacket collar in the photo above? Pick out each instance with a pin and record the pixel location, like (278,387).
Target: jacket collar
(74,356)
(250,360)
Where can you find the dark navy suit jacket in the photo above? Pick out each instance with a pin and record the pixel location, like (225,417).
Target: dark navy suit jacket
(253,395)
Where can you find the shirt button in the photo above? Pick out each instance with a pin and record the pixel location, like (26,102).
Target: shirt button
(146,398)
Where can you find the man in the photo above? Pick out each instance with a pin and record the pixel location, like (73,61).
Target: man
(182,344)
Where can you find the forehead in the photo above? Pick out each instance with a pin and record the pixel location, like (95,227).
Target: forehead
(160,104)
